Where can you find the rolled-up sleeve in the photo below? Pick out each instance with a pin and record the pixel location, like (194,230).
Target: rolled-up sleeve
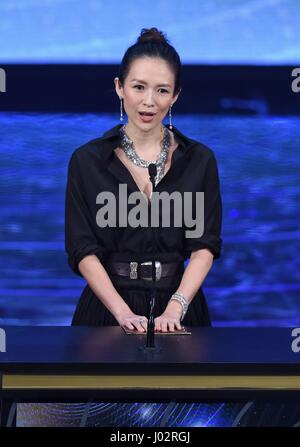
(80,238)
(211,237)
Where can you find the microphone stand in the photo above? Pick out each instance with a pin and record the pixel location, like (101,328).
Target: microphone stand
(150,345)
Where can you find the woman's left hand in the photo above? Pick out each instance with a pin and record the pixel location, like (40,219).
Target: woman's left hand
(169,320)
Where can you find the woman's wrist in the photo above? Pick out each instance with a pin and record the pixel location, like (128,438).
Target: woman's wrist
(182,301)
(121,309)
(175,306)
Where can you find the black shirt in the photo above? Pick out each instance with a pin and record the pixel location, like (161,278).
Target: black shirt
(94,167)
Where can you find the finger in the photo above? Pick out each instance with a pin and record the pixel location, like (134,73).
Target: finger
(139,326)
(156,324)
(171,326)
(128,325)
(164,326)
(178,325)
(144,323)
(144,326)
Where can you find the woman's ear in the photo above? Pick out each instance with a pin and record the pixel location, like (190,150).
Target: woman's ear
(118,87)
(174,99)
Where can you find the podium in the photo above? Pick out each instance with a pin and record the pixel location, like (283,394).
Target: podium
(69,364)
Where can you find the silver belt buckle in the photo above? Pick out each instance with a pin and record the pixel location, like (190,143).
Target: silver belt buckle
(157,270)
(133,270)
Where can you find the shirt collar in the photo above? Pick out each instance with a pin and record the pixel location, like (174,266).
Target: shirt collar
(112,139)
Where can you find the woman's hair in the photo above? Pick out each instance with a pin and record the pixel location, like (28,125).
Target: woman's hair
(152,43)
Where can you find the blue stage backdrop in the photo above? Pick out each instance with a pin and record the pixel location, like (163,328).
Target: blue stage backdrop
(95,31)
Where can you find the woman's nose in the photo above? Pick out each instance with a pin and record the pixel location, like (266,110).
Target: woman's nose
(148,98)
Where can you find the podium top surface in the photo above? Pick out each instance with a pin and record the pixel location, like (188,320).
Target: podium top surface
(108,349)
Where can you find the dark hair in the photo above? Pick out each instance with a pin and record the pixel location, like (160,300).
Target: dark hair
(152,43)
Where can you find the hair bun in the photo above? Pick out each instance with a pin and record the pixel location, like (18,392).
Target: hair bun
(152,35)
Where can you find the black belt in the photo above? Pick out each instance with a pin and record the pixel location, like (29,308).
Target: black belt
(143,270)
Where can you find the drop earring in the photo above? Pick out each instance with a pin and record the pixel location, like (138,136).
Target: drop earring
(121,109)
(170,117)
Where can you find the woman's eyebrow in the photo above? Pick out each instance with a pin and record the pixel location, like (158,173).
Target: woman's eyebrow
(143,82)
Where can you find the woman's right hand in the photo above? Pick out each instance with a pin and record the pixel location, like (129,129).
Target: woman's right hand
(131,321)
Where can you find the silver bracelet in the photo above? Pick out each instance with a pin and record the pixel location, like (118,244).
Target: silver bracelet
(183,301)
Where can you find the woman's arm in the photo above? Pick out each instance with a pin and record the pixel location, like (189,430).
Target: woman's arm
(85,251)
(194,275)
(201,250)
(95,274)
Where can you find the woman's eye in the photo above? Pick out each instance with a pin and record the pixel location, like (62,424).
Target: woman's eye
(163,90)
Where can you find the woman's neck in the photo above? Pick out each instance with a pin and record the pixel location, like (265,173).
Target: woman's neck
(146,143)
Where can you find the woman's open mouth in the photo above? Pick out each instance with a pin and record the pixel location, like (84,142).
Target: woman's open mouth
(146,117)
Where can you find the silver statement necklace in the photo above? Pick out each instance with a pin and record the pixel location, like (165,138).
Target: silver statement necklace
(128,147)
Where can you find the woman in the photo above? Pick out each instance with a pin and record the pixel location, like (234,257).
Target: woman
(113,259)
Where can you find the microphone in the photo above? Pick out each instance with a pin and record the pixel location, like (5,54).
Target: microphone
(150,327)
(152,172)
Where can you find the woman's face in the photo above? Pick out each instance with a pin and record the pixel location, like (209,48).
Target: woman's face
(149,88)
